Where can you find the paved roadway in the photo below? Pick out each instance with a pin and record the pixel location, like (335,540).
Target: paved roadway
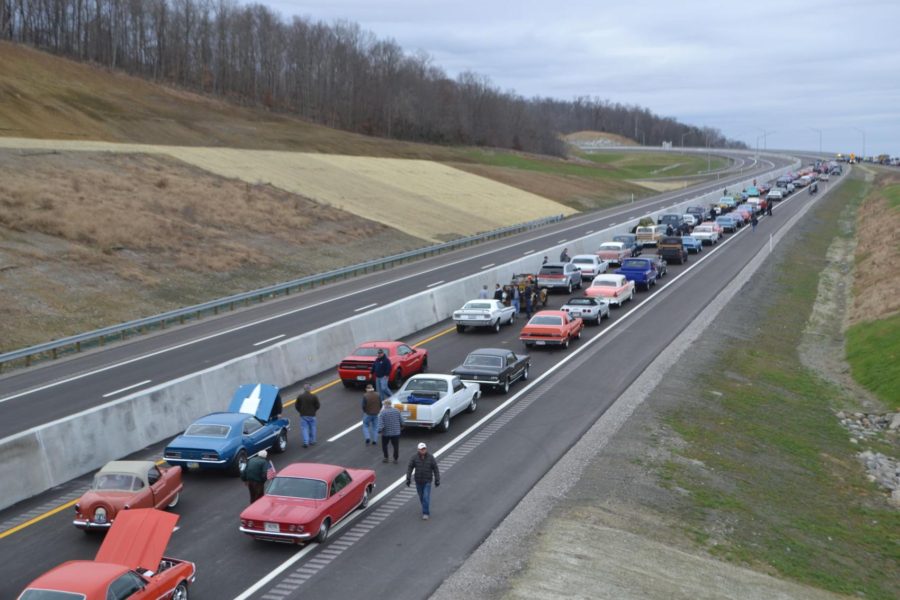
(387,550)
(54,390)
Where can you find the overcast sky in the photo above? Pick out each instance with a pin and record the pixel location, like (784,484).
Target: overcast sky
(788,67)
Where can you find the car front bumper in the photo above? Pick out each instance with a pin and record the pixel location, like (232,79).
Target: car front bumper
(275,536)
(90,525)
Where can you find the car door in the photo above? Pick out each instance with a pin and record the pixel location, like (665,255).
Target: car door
(341,493)
(410,360)
(458,396)
(162,487)
(256,436)
(513,367)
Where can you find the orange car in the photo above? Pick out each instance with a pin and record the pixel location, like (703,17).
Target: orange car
(130,564)
(551,327)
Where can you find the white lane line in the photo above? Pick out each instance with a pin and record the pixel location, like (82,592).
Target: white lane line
(344,432)
(487,266)
(589,231)
(271,339)
(613,223)
(366,307)
(527,252)
(302,308)
(431,285)
(561,241)
(125,389)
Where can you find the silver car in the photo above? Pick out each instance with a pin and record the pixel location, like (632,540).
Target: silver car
(589,310)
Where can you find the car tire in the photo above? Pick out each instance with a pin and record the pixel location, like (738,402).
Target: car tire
(444,425)
(424,365)
(460,328)
(397,381)
(497,326)
(239,463)
(631,297)
(174,501)
(180,592)
(578,335)
(472,407)
(364,503)
(525,374)
(281,442)
(566,344)
(569,288)
(512,318)
(323,531)
(505,388)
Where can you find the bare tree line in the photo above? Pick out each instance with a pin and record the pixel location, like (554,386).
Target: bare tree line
(337,74)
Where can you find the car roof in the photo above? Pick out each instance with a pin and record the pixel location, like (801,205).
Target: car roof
(86,577)
(551,313)
(432,376)
(618,244)
(608,277)
(591,256)
(222,418)
(491,351)
(554,264)
(311,470)
(138,468)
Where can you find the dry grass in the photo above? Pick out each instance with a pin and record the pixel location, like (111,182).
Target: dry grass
(590,136)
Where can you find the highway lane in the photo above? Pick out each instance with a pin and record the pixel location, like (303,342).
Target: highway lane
(510,460)
(31,397)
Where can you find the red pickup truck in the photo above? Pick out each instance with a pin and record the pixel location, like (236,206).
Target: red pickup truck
(551,327)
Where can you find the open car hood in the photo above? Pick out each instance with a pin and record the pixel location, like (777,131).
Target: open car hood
(138,538)
(255,399)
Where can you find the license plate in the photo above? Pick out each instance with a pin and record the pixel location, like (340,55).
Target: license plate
(272,527)
(575,313)
(541,343)
(193,465)
(360,377)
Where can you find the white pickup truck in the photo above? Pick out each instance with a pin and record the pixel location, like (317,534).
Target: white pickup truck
(430,400)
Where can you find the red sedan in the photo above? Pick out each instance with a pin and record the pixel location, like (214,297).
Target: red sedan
(305,500)
(129,564)
(405,360)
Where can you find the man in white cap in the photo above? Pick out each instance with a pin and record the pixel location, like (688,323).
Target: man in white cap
(254,475)
(426,470)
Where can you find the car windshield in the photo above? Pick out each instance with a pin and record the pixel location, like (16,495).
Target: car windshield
(113,482)
(604,283)
(423,384)
(545,270)
(298,487)
(545,320)
(723,220)
(483,360)
(580,302)
(366,351)
(49,595)
(477,306)
(207,430)
(634,264)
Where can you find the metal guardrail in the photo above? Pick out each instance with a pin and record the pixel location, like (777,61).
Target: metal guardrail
(99,337)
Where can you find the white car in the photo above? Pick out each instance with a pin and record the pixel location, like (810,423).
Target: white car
(590,265)
(775,194)
(690,219)
(484,313)
(707,234)
(429,400)
(589,310)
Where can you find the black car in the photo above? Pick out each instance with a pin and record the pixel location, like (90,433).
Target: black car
(494,367)
(630,241)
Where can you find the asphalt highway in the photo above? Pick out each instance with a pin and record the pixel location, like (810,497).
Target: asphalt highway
(31,397)
(489,460)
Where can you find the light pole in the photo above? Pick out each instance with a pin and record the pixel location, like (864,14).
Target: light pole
(763,136)
(863,132)
(682,138)
(819,131)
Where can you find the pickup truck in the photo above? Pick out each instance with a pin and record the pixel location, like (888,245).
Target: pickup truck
(675,220)
(671,248)
(430,400)
(559,276)
(639,270)
(551,327)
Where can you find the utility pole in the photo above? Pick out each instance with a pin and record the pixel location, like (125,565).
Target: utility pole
(819,131)
(863,132)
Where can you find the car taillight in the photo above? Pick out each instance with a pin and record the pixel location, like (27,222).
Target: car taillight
(209,456)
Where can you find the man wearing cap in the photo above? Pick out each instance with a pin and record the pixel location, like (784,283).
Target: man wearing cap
(308,405)
(390,426)
(381,373)
(254,475)
(371,405)
(426,469)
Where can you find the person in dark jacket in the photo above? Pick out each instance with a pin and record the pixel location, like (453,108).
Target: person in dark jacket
(528,296)
(426,469)
(371,406)
(498,292)
(308,405)
(254,475)
(390,426)
(564,256)
(381,373)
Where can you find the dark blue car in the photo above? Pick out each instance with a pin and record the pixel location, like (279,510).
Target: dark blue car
(641,271)
(225,440)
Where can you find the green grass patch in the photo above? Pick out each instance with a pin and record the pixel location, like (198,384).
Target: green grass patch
(892,194)
(873,351)
(776,468)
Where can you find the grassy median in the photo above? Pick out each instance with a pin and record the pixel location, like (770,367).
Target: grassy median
(769,468)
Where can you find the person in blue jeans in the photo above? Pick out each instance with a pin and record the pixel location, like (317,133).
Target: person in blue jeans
(371,406)
(308,405)
(381,373)
(426,469)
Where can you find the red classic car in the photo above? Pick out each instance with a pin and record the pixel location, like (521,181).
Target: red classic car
(551,327)
(405,360)
(613,252)
(305,500)
(126,484)
(130,564)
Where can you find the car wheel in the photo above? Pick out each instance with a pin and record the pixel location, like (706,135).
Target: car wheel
(569,288)
(497,326)
(323,531)
(631,297)
(460,328)
(566,344)
(525,374)
(578,335)
(181,592)
(365,499)
(174,501)
(239,463)
(444,425)
(472,407)
(506,385)
(398,379)
(512,318)
(424,365)
(280,442)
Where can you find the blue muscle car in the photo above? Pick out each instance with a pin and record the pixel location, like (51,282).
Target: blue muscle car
(225,440)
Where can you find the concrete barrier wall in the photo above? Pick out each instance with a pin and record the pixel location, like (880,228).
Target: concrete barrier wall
(34,461)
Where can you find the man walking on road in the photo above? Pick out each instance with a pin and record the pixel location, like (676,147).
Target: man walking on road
(371,404)
(254,475)
(381,373)
(426,469)
(307,405)
(390,426)
(754,221)
(484,294)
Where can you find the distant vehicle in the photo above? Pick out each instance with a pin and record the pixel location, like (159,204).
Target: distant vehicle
(823,177)
(588,309)
(698,212)
(727,223)
(617,289)
(559,276)
(430,400)
(551,327)
(706,234)
(613,252)
(630,241)
(660,264)
(672,249)
(226,440)
(648,235)
(690,219)
(675,220)
(305,500)
(692,244)
(497,368)
(484,313)
(639,270)
(775,195)
(356,369)
(590,265)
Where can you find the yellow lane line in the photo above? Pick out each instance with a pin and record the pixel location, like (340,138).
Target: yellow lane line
(58,509)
